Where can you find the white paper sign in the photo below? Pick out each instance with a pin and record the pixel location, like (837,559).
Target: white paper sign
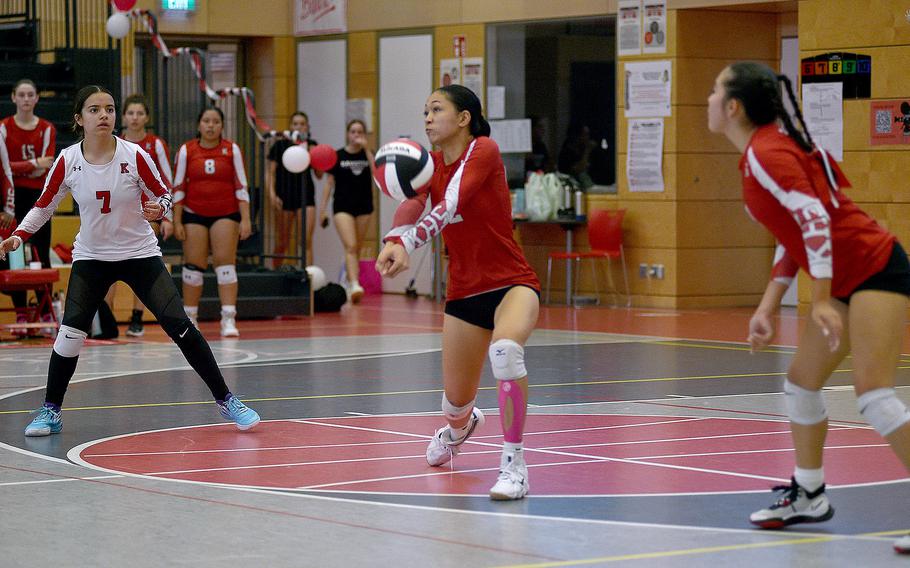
(628,28)
(823,111)
(644,158)
(359,109)
(512,135)
(654,36)
(472,75)
(496,102)
(319,17)
(647,88)
(449,72)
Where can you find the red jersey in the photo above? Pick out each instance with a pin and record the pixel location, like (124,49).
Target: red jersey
(796,196)
(7,190)
(157,148)
(24,147)
(472,209)
(210,181)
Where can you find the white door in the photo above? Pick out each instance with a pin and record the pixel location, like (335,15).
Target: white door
(321,93)
(405,82)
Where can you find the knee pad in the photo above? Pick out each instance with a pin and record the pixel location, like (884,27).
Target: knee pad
(192,275)
(69,341)
(507,359)
(804,406)
(883,410)
(452,412)
(226,274)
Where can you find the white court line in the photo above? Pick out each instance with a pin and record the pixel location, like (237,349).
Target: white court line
(763,451)
(42,481)
(567,454)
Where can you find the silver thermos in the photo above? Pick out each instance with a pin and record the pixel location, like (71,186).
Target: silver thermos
(580,205)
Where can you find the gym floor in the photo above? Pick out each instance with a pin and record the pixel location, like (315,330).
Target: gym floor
(651,437)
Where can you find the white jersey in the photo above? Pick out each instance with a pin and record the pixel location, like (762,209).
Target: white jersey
(108,195)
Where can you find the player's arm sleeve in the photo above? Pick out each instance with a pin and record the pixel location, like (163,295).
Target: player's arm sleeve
(784,268)
(150,181)
(55,189)
(180,175)
(6,181)
(49,141)
(240,183)
(470,177)
(164,160)
(779,172)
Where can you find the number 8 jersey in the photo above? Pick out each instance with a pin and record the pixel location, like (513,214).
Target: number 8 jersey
(210,181)
(108,195)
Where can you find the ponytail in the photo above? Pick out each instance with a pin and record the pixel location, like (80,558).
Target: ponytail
(800,137)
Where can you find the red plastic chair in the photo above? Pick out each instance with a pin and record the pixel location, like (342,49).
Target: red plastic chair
(605,238)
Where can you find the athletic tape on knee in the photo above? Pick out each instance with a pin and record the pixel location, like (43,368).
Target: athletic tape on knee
(883,410)
(226,274)
(804,407)
(512,410)
(192,275)
(452,412)
(507,359)
(69,341)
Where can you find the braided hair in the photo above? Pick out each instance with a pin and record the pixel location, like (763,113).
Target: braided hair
(757,87)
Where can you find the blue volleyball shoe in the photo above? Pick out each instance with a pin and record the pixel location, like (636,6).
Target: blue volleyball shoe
(46,423)
(241,414)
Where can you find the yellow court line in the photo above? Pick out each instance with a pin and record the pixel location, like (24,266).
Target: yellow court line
(722,347)
(673,553)
(431,391)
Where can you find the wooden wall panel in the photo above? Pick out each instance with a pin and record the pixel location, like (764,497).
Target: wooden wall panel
(708,176)
(841,25)
(732,271)
(721,34)
(717,224)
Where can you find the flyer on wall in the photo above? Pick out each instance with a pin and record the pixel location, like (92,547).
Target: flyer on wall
(647,88)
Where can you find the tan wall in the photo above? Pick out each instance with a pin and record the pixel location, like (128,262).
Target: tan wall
(878,173)
(228,18)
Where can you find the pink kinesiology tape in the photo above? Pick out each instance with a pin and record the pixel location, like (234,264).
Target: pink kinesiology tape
(512,410)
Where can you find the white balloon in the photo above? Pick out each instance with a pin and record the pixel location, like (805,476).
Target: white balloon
(296,158)
(317,277)
(118,25)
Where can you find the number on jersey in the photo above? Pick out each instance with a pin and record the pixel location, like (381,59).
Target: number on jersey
(209,165)
(105,198)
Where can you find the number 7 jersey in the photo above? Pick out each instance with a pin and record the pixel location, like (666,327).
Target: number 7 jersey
(108,195)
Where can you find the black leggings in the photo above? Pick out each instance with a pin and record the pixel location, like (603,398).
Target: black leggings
(148,277)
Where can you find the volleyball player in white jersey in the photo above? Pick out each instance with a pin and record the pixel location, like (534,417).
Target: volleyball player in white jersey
(106,176)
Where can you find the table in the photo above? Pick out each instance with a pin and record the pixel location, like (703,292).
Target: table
(569,226)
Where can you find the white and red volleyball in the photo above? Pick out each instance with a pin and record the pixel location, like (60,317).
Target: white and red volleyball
(403,168)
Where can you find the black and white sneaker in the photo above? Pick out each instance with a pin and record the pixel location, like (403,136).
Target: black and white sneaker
(135,329)
(795,505)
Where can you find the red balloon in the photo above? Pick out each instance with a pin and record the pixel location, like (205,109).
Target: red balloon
(124,5)
(323,157)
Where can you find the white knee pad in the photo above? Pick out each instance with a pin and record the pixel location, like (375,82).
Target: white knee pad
(804,407)
(452,412)
(507,359)
(69,341)
(883,410)
(226,274)
(192,276)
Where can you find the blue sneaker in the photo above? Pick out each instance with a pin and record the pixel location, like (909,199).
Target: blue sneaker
(244,416)
(46,423)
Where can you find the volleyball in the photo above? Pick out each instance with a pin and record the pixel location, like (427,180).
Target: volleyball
(118,25)
(317,277)
(403,168)
(323,157)
(296,158)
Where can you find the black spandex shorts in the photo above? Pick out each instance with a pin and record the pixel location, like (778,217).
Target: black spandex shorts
(353,207)
(894,277)
(207,222)
(479,309)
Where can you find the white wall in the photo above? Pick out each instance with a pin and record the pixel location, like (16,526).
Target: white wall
(321,93)
(405,82)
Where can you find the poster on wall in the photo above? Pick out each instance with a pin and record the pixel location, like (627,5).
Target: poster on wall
(654,36)
(628,28)
(320,17)
(472,75)
(449,72)
(853,70)
(644,156)
(512,136)
(890,122)
(359,109)
(647,88)
(823,111)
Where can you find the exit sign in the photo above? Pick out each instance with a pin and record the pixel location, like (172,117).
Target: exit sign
(188,5)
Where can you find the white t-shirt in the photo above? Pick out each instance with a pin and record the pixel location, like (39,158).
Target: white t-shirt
(108,195)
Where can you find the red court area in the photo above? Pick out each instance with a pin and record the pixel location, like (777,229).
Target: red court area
(575,455)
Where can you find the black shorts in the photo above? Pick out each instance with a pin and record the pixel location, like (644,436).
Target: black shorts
(353,207)
(479,309)
(293,198)
(207,222)
(894,277)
